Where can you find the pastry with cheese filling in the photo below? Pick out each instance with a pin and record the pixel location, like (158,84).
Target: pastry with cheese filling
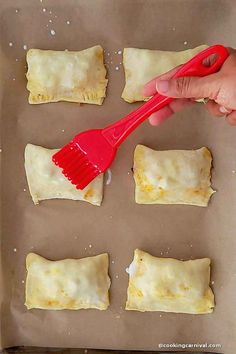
(71,284)
(170,285)
(143,65)
(46,180)
(172,176)
(66,76)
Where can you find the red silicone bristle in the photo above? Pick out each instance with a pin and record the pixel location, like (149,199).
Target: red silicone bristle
(63,155)
(75,165)
(83,182)
(81,172)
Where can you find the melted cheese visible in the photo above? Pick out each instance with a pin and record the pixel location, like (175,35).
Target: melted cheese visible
(166,284)
(67,284)
(143,65)
(172,177)
(66,76)
(46,180)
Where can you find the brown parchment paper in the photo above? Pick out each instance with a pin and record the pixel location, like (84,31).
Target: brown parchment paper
(59,229)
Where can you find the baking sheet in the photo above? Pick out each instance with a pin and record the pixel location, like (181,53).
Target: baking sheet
(61,229)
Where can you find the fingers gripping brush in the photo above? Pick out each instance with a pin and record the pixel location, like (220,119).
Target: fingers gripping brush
(92,152)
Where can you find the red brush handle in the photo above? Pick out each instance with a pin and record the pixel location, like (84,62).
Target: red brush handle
(117,132)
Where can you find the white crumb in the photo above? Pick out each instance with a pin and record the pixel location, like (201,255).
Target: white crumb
(161,253)
(119,52)
(117,276)
(160,315)
(10,44)
(63,130)
(14,249)
(55,16)
(24,190)
(127,270)
(185,42)
(0,150)
(14,79)
(41,0)
(90,246)
(17,11)
(52,32)
(111,62)
(66,50)
(25,47)
(68,22)
(85,248)
(212,282)
(109,177)
(120,63)
(191,245)
(50,12)
(233,171)
(44,10)
(50,21)
(117,68)
(112,262)
(22,281)
(46,25)
(108,53)
(17,59)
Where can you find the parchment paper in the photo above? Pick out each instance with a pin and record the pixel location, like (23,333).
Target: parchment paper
(61,229)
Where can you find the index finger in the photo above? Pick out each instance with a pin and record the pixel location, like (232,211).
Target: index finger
(150,88)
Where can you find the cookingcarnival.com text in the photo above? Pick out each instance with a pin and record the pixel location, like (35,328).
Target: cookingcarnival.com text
(190,345)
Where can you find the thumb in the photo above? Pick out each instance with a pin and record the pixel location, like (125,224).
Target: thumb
(189,87)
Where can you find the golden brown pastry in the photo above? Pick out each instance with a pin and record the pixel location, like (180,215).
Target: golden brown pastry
(170,285)
(173,176)
(143,65)
(46,180)
(71,284)
(66,76)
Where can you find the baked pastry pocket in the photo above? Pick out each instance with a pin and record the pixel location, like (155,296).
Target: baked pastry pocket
(143,65)
(170,285)
(172,176)
(66,76)
(71,284)
(46,180)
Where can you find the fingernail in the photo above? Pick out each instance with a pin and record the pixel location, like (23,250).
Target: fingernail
(224,110)
(162,86)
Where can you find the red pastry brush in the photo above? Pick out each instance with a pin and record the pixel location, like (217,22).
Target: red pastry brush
(92,152)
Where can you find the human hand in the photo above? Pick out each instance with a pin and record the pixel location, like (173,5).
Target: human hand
(218,88)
